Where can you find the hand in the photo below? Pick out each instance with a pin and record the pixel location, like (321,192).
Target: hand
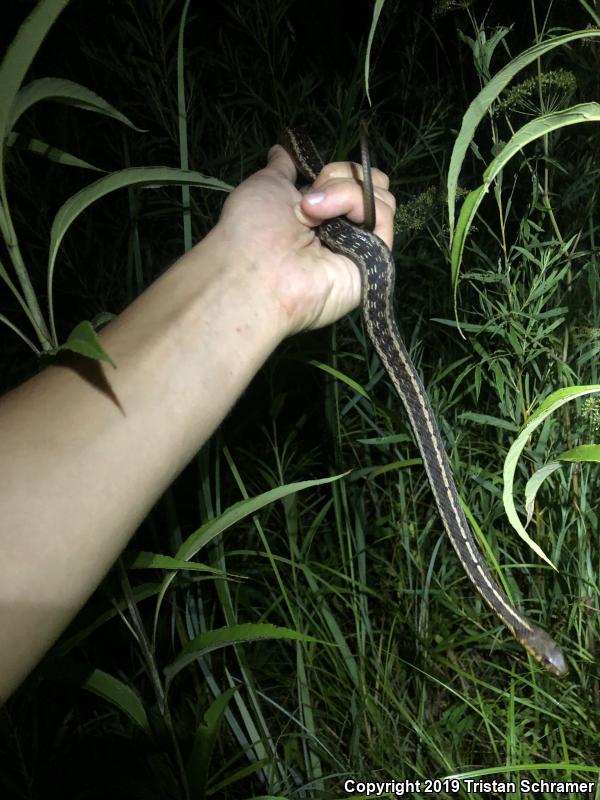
(269,225)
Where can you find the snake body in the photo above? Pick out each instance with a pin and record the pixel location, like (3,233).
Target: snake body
(376,265)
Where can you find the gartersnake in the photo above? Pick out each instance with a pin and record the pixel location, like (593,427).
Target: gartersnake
(376,264)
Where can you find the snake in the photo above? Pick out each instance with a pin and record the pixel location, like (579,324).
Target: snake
(376,265)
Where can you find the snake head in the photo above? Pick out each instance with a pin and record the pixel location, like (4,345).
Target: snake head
(545,650)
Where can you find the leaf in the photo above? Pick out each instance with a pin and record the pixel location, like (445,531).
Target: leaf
(533,484)
(48,151)
(340,376)
(132,176)
(119,694)
(224,637)
(204,743)
(21,53)
(377,8)
(585,452)
(83,339)
(482,102)
(486,419)
(64,91)
(467,214)
(146,560)
(235,513)
(547,407)
(535,129)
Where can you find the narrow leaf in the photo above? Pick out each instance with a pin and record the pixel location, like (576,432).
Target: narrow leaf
(482,102)
(224,637)
(204,743)
(533,484)
(48,151)
(64,91)
(119,694)
(340,376)
(535,129)
(547,407)
(377,8)
(235,513)
(585,452)
(21,53)
(146,560)
(132,176)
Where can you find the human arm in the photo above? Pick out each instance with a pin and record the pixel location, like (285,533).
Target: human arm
(87,449)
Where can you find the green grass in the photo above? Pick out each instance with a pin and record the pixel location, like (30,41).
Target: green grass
(406,675)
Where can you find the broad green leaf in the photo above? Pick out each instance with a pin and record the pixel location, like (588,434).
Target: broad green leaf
(224,637)
(21,53)
(64,91)
(535,129)
(132,176)
(235,513)
(204,743)
(482,102)
(585,452)
(340,376)
(83,339)
(146,560)
(547,407)
(48,151)
(119,694)
(377,8)
(533,484)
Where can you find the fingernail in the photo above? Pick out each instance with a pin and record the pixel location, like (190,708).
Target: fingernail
(314,198)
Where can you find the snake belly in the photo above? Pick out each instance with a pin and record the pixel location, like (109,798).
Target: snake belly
(377,269)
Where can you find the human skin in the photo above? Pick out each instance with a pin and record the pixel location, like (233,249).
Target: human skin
(87,449)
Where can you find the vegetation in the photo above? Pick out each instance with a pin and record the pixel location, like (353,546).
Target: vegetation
(291,614)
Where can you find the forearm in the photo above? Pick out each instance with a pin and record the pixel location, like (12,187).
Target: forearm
(86,450)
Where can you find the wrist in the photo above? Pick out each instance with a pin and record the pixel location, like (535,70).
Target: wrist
(245,278)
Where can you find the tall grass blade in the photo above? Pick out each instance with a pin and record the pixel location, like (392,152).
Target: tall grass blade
(547,407)
(60,90)
(481,104)
(40,148)
(119,694)
(132,176)
(19,56)
(584,112)
(218,638)
(235,513)
(204,743)
(184,160)
(377,8)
